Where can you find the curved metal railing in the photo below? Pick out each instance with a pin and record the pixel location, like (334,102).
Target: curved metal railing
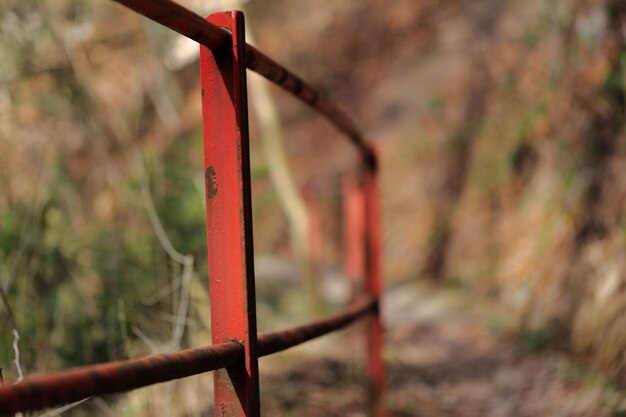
(236,347)
(195,27)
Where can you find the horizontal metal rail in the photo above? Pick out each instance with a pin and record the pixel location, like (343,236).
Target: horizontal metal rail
(195,27)
(38,392)
(44,391)
(273,342)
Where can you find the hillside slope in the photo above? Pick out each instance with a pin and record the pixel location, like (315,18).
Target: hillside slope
(502,134)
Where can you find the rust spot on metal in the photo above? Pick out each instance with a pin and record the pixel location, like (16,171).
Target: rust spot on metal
(210,179)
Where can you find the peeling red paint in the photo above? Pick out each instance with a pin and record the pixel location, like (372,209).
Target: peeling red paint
(229,215)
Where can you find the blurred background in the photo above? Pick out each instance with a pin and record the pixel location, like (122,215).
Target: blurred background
(500,126)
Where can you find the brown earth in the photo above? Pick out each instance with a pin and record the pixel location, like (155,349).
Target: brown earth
(443,359)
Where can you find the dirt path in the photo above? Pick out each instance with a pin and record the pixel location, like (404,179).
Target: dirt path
(442,361)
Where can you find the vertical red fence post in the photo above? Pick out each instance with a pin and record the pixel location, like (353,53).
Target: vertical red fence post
(229,216)
(374,288)
(354,232)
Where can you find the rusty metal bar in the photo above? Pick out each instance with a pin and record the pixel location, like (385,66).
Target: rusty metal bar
(229,216)
(277,341)
(193,26)
(288,81)
(51,390)
(184,21)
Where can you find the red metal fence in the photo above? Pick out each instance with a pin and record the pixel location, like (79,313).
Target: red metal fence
(224,56)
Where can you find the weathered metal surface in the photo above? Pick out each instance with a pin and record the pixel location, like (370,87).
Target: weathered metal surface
(181,20)
(288,81)
(229,216)
(191,25)
(51,390)
(223,58)
(277,341)
(374,289)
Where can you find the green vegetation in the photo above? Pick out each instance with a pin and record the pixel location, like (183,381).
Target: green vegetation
(535,341)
